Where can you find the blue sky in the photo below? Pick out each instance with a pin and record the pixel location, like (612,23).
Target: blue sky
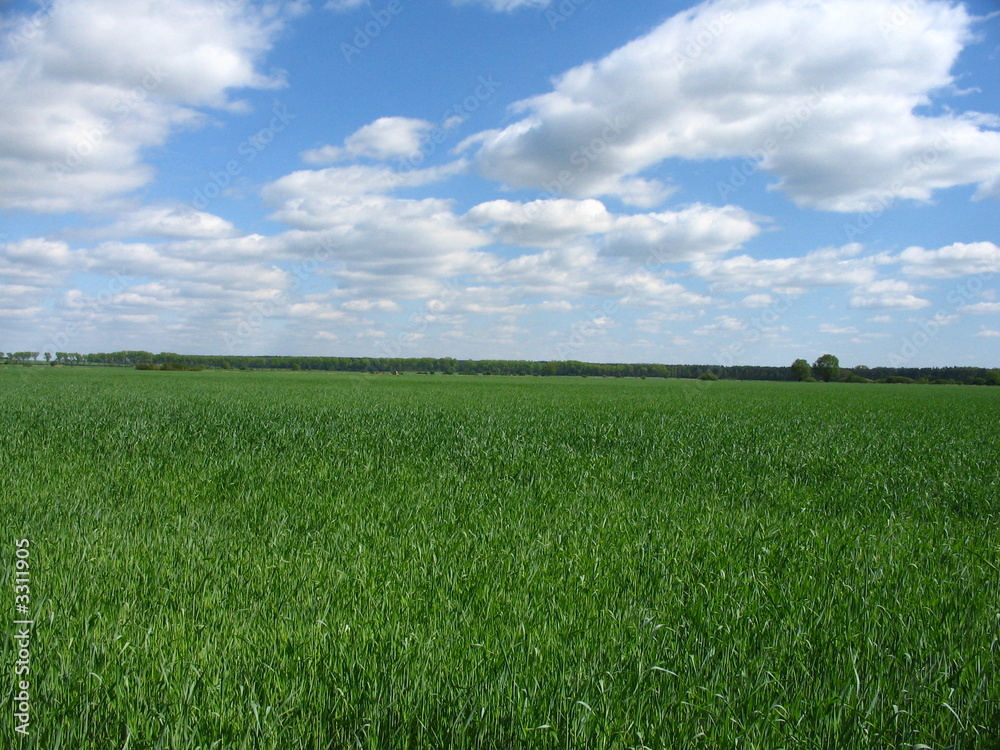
(733,182)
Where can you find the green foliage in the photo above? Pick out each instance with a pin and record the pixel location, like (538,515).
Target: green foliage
(827,368)
(708,375)
(801,370)
(569,368)
(261,560)
(170,367)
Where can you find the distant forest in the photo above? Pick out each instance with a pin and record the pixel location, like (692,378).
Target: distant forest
(450,366)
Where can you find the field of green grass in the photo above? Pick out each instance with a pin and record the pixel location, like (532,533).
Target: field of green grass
(312,560)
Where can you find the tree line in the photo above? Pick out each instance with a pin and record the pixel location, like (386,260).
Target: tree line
(826,368)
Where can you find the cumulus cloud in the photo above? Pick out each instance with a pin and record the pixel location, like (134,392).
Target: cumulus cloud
(757,301)
(306,192)
(100,80)
(822,94)
(723,323)
(982,308)
(958,259)
(820,268)
(380,245)
(689,233)
(169,222)
(887,294)
(542,223)
(837,330)
(37,262)
(148,260)
(384,139)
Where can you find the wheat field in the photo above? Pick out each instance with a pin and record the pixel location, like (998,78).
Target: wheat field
(318,560)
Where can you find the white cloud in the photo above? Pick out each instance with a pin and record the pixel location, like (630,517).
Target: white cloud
(372,305)
(982,308)
(725,323)
(374,243)
(758,300)
(101,80)
(827,106)
(147,260)
(37,263)
(692,233)
(560,273)
(988,334)
(825,267)
(650,290)
(167,222)
(958,259)
(384,139)
(837,330)
(345,5)
(505,5)
(542,223)
(654,322)
(323,155)
(311,192)
(887,294)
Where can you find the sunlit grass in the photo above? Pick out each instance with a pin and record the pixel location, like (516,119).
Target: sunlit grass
(300,560)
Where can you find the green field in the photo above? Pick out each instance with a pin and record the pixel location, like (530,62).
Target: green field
(313,560)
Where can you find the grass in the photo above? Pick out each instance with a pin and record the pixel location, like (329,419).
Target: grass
(312,560)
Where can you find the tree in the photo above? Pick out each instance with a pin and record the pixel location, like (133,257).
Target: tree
(827,367)
(801,370)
